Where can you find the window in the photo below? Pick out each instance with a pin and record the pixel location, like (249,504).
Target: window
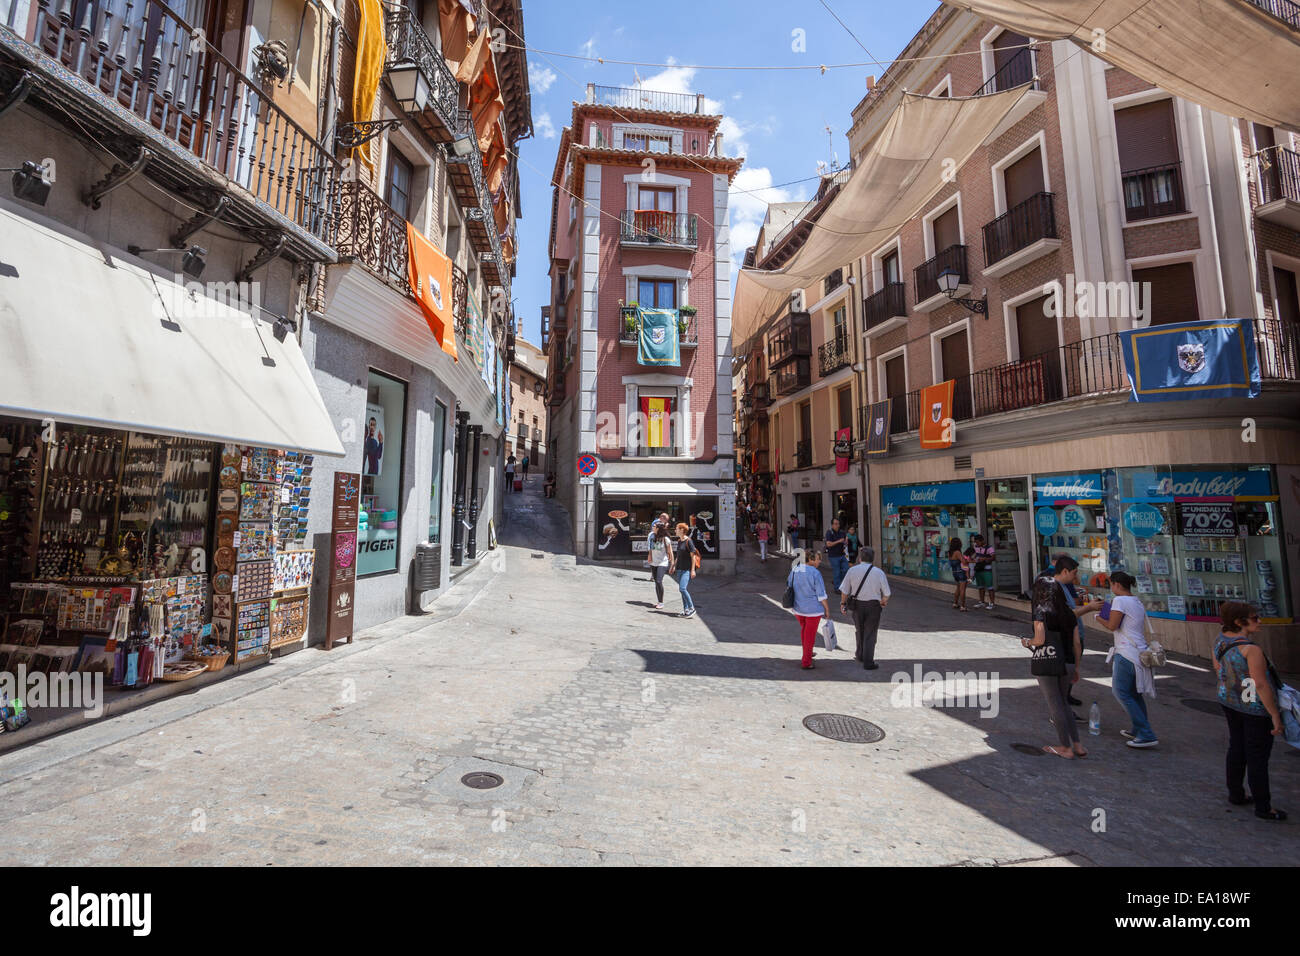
(656,198)
(1013,61)
(1148,157)
(657,293)
(844,406)
(839,328)
(401,177)
(646,142)
(1023,179)
(890,271)
(946,230)
(435,486)
(381,474)
(1173,293)
(657,426)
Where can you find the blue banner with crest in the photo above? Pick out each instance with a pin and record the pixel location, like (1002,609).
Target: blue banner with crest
(1212,359)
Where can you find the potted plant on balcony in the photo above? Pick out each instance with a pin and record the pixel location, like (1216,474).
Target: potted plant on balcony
(629,318)
(684,316)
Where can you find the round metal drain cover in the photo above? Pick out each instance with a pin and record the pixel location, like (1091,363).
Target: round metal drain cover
(1029,750)
(852,730)
(480,780)
(1204,706)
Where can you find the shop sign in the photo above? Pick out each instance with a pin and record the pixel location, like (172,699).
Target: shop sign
(1073,519)
(1046,521)
(1143,520)
(1214,484)
(843,450)
(1208,519)
(945,493)
(1087,487)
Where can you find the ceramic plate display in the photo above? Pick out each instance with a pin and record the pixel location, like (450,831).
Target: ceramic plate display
(227,499)
(221,582)
(224,559)
(230,477)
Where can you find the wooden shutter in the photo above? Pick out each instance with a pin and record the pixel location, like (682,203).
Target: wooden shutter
(1173,293)
(844,399)
(895,378)
(1286,285)
(1005,47)
(1036,330)
(947,231)
(1147,136)
(1024,178)
(805,421)
(954,355)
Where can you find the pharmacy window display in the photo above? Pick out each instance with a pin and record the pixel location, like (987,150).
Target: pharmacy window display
(917,523)
(1070,517)
(381,476)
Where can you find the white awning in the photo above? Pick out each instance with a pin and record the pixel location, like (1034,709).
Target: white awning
(1230,56)
(93,338)
(665,489)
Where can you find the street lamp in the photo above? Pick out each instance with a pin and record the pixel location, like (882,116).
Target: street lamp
(949,280)
(410,87)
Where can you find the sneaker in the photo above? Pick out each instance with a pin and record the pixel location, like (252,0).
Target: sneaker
(690,613)
(1129,734)
(659,607)
(1140,744)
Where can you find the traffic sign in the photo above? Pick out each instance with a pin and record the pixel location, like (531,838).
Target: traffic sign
(587,465)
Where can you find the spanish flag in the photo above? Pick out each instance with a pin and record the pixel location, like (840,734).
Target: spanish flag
(655,412)
(429,274)
(936,415)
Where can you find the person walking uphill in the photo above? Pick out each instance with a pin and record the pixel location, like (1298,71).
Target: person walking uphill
(810,604)
(1055,644)
(682,568)
(659,559)
(864,593)
(510,474)
(764,534)
(836,543)
(793,530)
(1248,694)
(1130,678)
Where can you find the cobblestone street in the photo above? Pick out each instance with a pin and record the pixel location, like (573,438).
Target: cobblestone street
(630,736)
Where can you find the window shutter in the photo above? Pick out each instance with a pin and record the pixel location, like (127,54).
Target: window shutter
(947,231)
(1035,329)
(1173,293)
(1024,178)
(1146,135)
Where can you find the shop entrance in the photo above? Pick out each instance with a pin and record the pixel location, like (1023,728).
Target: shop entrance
(1007,520)
(844,505)
(811,527)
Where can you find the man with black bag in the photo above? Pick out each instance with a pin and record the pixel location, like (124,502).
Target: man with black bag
(864,592)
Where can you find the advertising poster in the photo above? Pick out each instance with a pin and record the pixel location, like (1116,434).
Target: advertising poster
(373,449)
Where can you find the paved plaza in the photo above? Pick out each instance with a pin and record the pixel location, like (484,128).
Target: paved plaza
(625,735)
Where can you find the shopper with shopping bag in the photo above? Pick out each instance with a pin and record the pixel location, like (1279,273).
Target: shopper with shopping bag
(810,604)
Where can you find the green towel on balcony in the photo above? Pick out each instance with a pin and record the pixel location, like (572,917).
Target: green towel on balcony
(657,340)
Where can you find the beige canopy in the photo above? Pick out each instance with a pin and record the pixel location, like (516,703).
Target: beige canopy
(1228,55)
(924,142)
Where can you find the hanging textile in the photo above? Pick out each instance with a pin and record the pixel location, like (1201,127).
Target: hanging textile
(486,105)
(936,415)
(1211,359)
(655,414)
(496,160)
(878,420)
(476,334)
(471,67)
(456,25)
(429,275)
(657,342)
(372,51)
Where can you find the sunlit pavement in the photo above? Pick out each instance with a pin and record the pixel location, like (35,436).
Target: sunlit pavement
(623,735)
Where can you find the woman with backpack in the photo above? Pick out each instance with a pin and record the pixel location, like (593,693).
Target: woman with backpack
(1248,694)
(685,558)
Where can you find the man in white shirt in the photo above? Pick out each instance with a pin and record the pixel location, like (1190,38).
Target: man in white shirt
(868,587)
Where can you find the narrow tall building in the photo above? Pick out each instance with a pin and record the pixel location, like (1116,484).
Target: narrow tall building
(639,330)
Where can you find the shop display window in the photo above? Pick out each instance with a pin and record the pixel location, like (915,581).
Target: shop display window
(917,523)
(1006,504)
(1070,517)
(378,525)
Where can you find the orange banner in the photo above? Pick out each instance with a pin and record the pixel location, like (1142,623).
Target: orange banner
(429,273)
(936,415)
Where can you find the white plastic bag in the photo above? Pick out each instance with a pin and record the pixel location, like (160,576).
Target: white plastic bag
(828,634)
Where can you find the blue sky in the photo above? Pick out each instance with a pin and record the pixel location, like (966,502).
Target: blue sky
(776,119)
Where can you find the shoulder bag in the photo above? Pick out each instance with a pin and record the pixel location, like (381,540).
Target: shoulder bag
(1048,659)
(851,602)
(1154,655)
(787,599)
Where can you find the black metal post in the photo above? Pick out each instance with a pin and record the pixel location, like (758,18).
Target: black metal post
(458,502)
(476,432)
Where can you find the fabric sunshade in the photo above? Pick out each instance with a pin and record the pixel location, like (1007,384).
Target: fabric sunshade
(1228,55)
(94,339)
(902,169)
(662,489)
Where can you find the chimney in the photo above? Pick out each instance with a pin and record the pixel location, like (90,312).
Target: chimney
(871,84)
(717,144)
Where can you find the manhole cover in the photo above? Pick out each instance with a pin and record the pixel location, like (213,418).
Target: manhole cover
(1029,750)
(853,730)
(1204,706)
(482,781)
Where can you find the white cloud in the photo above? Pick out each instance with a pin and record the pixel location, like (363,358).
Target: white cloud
(588,49)
(751,192)
(540,78)
(543,125)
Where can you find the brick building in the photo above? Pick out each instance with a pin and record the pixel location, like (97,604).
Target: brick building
(527,431)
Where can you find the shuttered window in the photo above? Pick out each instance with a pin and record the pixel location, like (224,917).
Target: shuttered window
(1146,135)
(1287,286)
(947,231)
(890,270)
(1012,60)
(1024,178)
(955,356)
(1036,330)
(1173,293)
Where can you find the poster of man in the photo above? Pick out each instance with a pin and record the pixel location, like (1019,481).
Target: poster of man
(374,444)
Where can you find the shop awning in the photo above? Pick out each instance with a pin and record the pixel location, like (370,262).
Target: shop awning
(94,339)
(1233,56)
(665,489)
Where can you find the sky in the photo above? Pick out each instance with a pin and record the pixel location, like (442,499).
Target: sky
(775,118)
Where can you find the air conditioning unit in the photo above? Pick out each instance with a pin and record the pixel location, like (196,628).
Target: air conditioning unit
(797,303)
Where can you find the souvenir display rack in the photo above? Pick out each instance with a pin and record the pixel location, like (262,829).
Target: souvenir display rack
(292,577)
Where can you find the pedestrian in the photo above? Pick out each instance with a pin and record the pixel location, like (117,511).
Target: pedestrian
(1131,680)
(548,486)
(1056,644)
(864,593)
(764,533)
(525,464)
(853,544)
(510,474)
(659,558)
(984,554)
(792,529)
(958,563)
(1248,688)
(836,544)
(1072,598)
(810,604)
(682,567)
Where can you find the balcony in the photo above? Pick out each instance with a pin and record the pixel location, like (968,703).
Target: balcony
(790,339)
(833,355)
(1278,172)
(832,282)
(789,378)
(420,79)
(803,455)
(928,294)
(367,230)
(1154,192)
(460,300)
(1017,71)
(141,82)
(1020,235)
(650,227)
(1288,11)
(886,309)
(629,330)
(636,98)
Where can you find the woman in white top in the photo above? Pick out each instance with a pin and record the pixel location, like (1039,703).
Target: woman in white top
(1130,680)
(658,559)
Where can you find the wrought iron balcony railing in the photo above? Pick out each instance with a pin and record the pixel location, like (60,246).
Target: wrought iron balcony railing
(927,273)
(1279,175)
(652,227)
(636,98)
(369,231)
(1020,227)
(1154,192)
(141,57)
(1017,71)
(889,303)
(833,355)
(432,96)
(1288,11)
(629,328)
(833,282)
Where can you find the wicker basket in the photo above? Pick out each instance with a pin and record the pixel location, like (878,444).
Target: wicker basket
(213,663)
(180,677)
